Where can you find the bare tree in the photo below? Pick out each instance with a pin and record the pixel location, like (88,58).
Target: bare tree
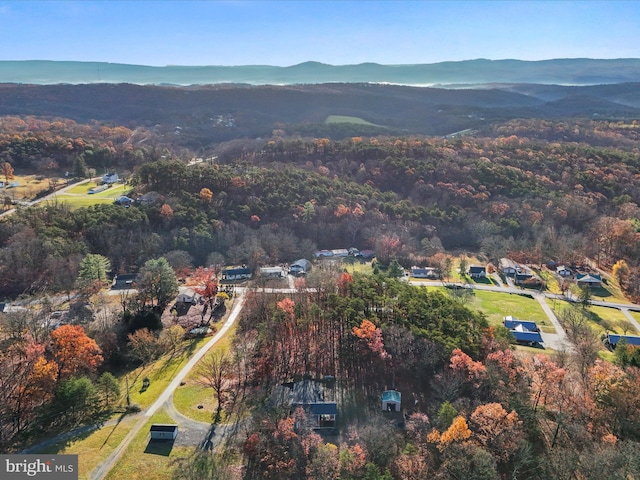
(212,372)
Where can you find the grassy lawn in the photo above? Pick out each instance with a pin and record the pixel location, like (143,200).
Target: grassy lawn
(553,286)
(28,187)
(94,447)
(358,267)
(346,119)
(78,196)
(189,396)
(601,319)
(143,460)
(160,373)
(496,306)
(635,315)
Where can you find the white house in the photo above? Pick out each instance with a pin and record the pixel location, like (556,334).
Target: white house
(110,178)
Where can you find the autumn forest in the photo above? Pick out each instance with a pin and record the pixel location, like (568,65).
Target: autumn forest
(562,189)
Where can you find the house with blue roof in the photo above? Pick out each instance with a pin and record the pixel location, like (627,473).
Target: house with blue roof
(613,339)
(524,331)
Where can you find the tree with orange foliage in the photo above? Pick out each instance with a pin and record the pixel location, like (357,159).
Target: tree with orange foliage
(458,432)
(75,351)
(496,430)
(166,211)
(372,338)
(206,195)
(6,170)
(343,283)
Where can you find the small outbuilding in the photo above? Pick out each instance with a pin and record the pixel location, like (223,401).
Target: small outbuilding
(272,272)
(162,431)
(391,401)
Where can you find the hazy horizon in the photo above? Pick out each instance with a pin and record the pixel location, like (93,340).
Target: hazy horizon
(287,33)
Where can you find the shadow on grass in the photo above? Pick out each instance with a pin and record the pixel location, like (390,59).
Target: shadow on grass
(60,442)
(483,280)
(159,447)
(600,292)
(120,418)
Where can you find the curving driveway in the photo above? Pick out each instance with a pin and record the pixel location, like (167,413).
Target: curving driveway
(165,397)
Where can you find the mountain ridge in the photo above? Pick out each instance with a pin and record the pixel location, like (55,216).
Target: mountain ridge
(567,71)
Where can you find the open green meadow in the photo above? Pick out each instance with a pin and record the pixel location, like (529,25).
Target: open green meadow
(601,319)
(149,460)
(347,119)
(93,447)
(79,196)
(188,397)
(496,306)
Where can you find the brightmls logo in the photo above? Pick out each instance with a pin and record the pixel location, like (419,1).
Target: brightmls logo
(49,467)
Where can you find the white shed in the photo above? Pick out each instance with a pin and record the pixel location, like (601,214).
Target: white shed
(391,401)
(162,431)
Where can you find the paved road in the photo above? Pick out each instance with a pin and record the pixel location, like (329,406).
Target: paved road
(104,468)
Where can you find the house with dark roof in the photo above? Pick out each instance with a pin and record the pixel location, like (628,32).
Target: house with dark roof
(591,280)
(508,267)
(124,281)
(160,431)
(310,396)
(477,271)
(236,273)
(512,322)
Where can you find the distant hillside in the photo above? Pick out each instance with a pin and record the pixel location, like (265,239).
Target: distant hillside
(560,71)
(204,115)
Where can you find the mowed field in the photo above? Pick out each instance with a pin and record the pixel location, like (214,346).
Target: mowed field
(79,195)
(347,119)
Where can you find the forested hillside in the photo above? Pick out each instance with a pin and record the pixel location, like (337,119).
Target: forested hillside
(548,190)
(536,189)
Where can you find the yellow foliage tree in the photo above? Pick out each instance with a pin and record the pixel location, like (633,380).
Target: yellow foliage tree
(206,195)
(621,271)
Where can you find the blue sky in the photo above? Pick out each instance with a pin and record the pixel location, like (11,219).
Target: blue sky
(241,32)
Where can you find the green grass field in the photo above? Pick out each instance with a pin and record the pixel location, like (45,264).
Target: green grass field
(149,461)
(496,306)
(189,396)
(160,373)
(94,447)
(347,119)
(78,196)
(601,319)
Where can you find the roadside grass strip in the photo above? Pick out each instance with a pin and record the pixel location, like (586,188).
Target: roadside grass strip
(92,447)
(149,460)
